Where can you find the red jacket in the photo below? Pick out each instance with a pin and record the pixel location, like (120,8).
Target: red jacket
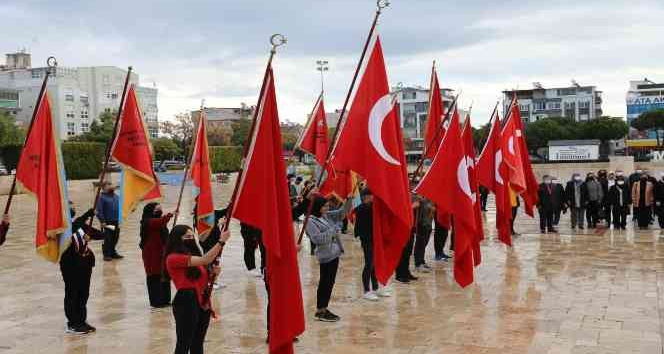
(153,246)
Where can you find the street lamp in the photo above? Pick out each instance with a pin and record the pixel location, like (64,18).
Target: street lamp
(322,67)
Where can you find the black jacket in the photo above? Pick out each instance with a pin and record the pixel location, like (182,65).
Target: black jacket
(364,220)
(614,193)
(73,260)
(215,233)
(659,192)
(569,194)
(550,197)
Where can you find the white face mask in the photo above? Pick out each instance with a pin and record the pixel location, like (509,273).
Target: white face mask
(620,183)
(577,178)
(555,181)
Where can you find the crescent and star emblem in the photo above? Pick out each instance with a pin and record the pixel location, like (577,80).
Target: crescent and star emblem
(379,112)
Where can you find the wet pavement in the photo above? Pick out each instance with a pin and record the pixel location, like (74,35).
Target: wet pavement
(576,292)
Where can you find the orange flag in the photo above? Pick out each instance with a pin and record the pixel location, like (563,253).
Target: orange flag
(132,150)
(41,173)
(200,174)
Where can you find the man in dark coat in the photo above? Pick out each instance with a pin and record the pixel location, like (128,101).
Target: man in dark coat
(559,196)
(576,195)
(548,202)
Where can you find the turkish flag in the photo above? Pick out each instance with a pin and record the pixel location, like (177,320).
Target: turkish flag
(447,184)
(263,202)
(512,154)
(491,173)
(338,184)
(314,139)
(41,173)
(370,144)
(530,195)
(200,174)
(434,131)
(469,149)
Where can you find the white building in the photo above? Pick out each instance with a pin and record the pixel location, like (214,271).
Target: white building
(78,95)
(577,102)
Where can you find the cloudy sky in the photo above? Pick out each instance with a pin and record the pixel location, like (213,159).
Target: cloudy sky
(216,49)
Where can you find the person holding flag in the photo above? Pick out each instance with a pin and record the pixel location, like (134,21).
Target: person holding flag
(153,235)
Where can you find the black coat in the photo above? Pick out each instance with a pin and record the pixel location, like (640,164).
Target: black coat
(659,192)
(364,220)
(71,259)
(548,199)
(569,194)
(614,193)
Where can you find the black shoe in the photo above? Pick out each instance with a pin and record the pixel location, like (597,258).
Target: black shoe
(412,277)
(542,231)
(117,256)
(402,280)
(553,231)
(77,330)
(89,328)
(580,227)
(327,316)
(108,259)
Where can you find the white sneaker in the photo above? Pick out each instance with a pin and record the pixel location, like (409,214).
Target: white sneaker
(218,285)
(255,273)
(370,296)
(383,292)
(423,269)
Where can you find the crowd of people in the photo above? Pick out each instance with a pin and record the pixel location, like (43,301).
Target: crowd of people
(602,197)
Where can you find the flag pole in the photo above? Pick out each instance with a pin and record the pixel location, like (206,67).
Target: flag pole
(438,131)
(276,40)
(187,167)
(111,142)
(380,4)
(51,64)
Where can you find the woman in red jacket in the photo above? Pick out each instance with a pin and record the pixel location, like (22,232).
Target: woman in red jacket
(154,233)
(191,305)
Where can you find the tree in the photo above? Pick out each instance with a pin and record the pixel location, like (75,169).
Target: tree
(101,130)
(605,128)
(241,129)
(650,120)
(10,133)
(219,135)
(480,136)
(165,149)
(540,132)
(180,131)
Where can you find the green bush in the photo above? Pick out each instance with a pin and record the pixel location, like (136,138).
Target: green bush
(9,154)
(225,158)
(83,160)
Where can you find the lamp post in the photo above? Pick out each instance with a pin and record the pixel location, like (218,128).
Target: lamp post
(322,67)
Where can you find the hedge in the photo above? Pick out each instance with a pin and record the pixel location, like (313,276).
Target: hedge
(225,158)
(83,160)
(9,155)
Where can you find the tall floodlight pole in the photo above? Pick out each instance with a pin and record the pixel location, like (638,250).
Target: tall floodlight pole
(322,67)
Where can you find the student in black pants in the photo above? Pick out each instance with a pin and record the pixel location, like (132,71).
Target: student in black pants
(76,266)
(440,235)
(187,268)
(251,237)
(403,274)
(107,211)
(364,229)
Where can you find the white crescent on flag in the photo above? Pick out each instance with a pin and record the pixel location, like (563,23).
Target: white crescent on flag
(379,112)
(499,159)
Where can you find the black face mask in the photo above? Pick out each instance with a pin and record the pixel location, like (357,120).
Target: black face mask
(192,247)
(158,213)
(72,212)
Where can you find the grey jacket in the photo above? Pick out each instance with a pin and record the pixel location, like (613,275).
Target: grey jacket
(324,233)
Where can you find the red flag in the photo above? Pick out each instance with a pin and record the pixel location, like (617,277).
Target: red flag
(133,151)
(530,196)
(314,139)
(263,202)
(491,173)
(434,132)
(370,144)
(512,153)
(447,184)
(469,149)
(200,175)
(41,173)
(338,184)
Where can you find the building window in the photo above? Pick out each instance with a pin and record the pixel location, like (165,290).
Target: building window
(71,128)
(153,132)
(36,74)
(584,104)
(569,105)
(567,92)
(69,95)
(524,107)
(553,105)
(84,99)
(84,115)
(107,110)
(69,112)
(409,95)
(85,127)
(540,106)
(421,107)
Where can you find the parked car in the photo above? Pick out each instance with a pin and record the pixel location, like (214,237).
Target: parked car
(174,165)
(113,167)
(158,166)
(3,170)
